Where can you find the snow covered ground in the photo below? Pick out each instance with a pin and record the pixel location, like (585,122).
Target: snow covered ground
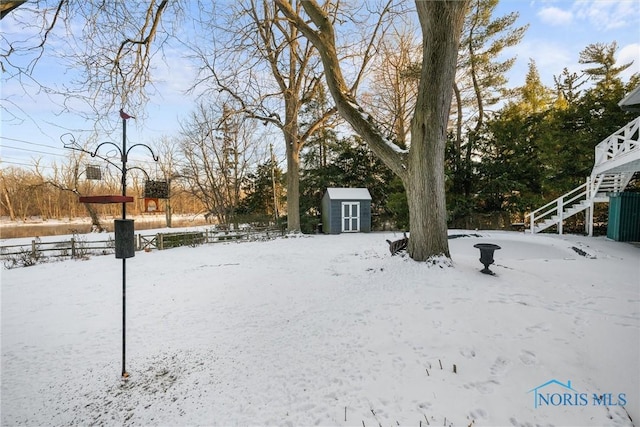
(329,330)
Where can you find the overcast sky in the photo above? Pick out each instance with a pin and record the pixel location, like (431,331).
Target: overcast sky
(558,31)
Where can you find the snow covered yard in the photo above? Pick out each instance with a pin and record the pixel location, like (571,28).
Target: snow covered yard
(329,330)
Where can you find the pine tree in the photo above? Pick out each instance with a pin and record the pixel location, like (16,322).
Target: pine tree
(260,204)
(534,97)
(480,84)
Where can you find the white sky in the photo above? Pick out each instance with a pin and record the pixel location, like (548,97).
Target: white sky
(558,31)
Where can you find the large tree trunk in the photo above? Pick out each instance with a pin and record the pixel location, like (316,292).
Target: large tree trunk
(425,189)
(441,24)
(293,147)
(293,188)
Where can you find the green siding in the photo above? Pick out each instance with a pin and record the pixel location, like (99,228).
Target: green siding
(624,217)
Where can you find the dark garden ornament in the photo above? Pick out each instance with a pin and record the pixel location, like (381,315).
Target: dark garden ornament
(486,256)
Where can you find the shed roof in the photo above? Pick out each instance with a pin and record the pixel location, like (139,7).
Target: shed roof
(348,194)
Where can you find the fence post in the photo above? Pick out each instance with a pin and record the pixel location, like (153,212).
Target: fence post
(73,248)
(160,241)
(34,252)
(560,215)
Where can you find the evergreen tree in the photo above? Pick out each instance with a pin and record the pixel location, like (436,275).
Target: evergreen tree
(599,105)
(603,70)
(260,204)
(509,175)
(480,84)
(350,163)
(568,87)
(534,96)
(537,149)
(397,204)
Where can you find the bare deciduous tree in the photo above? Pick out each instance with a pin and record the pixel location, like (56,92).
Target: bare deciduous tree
(218,150)
(168,162)
(106,46)
(273,73)
(395,83)
(9,189)
(69,178)
(421,168)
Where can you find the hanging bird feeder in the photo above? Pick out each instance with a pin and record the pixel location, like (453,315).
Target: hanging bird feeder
(156,189)
(93,172)
(153,192)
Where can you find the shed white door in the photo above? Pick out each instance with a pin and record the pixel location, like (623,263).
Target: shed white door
(350,217)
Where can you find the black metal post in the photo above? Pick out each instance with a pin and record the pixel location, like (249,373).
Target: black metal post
(123,231)
(124,260)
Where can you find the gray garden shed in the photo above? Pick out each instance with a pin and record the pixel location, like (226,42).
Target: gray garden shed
(346,210)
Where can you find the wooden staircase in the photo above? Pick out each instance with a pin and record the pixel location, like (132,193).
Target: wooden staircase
(617,158)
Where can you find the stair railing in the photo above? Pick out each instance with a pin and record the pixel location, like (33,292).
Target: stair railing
(623,141)
(595,184)
(556,207)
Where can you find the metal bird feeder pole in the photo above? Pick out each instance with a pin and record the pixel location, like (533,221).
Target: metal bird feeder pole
(127,249)
(125,374)
(124,229)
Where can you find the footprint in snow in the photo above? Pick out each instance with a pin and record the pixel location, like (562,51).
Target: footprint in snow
(540,327)
(499,367)
(483,387)
(468,352)
(527,357)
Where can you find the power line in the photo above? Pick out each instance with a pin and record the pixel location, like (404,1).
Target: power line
(31,143)
(33,151)
(12,158)
(34,143)
(25,164)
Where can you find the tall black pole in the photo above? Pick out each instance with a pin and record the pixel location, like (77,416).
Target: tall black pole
(124,229)
(124,260)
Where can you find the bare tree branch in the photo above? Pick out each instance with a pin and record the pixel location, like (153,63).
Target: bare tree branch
(324,39)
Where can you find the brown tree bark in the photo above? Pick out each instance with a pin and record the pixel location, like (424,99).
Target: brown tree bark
(7,200)
(441,24)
